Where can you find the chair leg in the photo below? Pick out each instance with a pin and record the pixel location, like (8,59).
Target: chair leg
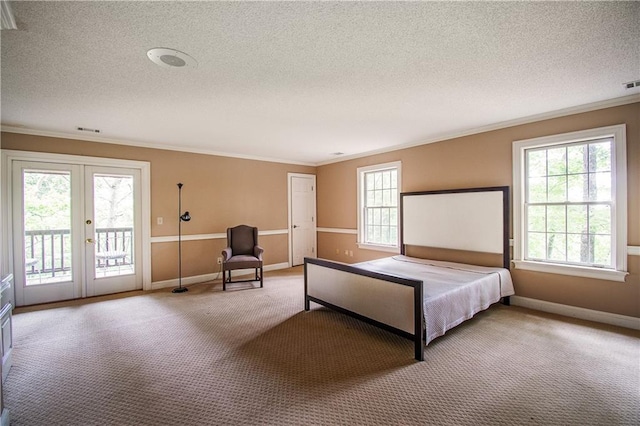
(224,278)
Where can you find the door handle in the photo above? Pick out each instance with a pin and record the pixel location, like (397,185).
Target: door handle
(90,241)
(295,226)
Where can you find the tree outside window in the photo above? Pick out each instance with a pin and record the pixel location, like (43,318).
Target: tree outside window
(379,191)
(570,203)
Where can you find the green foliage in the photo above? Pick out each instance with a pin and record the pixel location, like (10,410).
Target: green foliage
(48,206)
(381,198)
(47,200)
(569,191)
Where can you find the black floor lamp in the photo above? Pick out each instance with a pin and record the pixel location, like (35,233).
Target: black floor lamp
(186,218)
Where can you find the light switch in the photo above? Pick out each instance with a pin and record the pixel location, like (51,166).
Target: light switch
(160,220)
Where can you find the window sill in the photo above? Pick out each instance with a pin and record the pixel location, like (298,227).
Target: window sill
(576,271)
(389,249)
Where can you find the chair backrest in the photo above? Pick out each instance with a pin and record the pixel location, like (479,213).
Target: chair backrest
(242,239)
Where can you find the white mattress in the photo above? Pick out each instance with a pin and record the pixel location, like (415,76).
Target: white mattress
(453,292)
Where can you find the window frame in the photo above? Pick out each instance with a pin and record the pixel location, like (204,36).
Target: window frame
(361,173)
(619,203)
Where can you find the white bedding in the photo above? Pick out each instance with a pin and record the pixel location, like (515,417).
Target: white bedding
(453,292)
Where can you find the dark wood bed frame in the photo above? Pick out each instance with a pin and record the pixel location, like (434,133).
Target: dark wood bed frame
(418,335)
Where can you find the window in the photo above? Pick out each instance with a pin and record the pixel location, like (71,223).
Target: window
(378,206)
(570,203)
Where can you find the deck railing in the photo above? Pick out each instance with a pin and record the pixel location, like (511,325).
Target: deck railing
(114,245)
(49,251)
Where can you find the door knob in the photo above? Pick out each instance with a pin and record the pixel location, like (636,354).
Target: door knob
(295,226)
(90,241)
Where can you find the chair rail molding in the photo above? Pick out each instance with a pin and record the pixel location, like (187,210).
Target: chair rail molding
(215,236)
(338,230)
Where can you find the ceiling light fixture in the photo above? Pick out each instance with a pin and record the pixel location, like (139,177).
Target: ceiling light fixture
(171,58)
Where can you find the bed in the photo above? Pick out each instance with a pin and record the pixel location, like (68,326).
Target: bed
(454,263)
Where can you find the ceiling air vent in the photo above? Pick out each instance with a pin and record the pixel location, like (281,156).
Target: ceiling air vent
(632,84)
(86,129)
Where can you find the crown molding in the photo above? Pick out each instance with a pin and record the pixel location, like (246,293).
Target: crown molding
(609,103)
(100,139)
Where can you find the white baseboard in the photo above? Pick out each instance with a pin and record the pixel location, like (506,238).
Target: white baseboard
(211,277)
(576,312)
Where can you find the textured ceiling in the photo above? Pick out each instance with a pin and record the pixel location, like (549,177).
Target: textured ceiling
(298,81)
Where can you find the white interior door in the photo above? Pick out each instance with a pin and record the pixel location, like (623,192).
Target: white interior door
(47,232)
(76,231)
(112,223)
(303,212)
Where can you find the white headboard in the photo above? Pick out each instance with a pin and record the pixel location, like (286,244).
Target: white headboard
(471,219)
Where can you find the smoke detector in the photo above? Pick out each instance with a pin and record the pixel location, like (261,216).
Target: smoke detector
(171,58)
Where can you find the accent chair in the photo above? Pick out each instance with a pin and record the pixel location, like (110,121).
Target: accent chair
(242,252)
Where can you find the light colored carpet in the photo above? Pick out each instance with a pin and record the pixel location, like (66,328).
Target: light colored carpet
(251,357)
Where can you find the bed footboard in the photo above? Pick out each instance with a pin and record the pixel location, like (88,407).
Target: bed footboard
(391,303)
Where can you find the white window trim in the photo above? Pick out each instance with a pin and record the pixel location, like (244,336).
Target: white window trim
(619,247)
(360,173)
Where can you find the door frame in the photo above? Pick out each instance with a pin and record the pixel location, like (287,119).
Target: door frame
(9,156)
(66,289)
(289,212)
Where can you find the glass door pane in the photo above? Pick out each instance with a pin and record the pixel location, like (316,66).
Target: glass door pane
(113,198)
(47,226)
(113,249)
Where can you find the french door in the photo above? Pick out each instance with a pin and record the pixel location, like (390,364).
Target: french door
(76,231)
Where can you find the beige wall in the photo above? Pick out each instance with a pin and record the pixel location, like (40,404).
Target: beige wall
(485,160)
(218,192)
(221,192)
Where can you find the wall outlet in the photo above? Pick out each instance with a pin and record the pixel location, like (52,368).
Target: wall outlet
(219,261)
(160,220)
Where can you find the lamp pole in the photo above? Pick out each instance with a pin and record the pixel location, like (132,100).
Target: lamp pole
(181,217)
